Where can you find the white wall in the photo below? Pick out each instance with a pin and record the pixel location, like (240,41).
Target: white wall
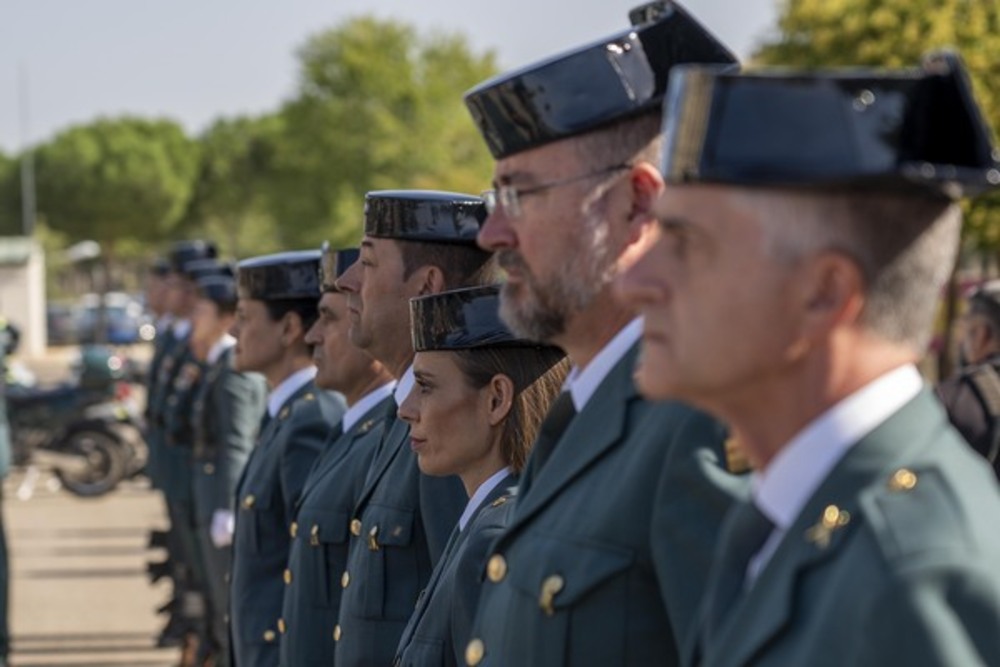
(22,299)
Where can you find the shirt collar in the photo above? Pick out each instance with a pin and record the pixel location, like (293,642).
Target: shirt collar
(287,387)
(220,346)
(364,404)
(582,383)
(181,328)
(480,495)
(404,386)
(782,490)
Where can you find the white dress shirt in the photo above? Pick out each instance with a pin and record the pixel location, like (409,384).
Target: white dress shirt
(220,346)
(181,328)
(782,490)
(480,494)
(288,386)
(582,383)
(364,404)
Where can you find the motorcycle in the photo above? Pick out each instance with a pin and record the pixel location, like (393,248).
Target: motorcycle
(88,431)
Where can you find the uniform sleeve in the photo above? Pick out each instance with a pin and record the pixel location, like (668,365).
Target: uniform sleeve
(965,411)
(937,617)
(693,496)
(305,440)
(240,402)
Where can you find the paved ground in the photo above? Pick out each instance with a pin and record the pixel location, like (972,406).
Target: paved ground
(79,592)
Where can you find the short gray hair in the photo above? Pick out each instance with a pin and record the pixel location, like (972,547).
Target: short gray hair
(905,246)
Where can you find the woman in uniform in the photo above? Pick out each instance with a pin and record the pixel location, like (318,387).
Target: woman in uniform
(479,399)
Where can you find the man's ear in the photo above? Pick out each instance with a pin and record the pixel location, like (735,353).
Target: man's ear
(430,280)
(647,186)
(832,290)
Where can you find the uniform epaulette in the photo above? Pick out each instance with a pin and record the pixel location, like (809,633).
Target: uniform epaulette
(911,511)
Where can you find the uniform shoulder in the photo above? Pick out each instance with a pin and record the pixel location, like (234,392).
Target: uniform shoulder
(316,403)
(935,511)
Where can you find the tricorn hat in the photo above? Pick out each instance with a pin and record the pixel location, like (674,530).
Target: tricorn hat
(197,268)
(461,319)
(581,90)
(333,263)
(424,215)
(917,129)
(279,277)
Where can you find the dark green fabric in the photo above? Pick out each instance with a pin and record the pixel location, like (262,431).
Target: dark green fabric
(910,578)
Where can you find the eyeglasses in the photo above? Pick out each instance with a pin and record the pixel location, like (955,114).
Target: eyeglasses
(508,197)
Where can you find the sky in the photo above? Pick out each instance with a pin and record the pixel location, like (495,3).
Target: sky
(197,60)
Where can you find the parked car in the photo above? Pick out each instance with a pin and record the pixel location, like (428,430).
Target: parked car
(126,321)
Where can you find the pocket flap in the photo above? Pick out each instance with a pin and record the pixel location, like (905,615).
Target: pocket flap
(392,527)
(254,499)
(561,572)
(325,526)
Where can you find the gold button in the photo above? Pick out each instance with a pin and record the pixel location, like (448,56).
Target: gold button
(248,501)
(336,633)
(288,576)
(902,480)
(209,469)
(356,527)
(345,579)
(293,530)
(474,652)
(496,569)
(269,635)
(281,626)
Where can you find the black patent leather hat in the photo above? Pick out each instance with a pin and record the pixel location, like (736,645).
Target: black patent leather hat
(282,276)
(182,252)
(918,129)
(461,319)
(575,92)
(424,215)
(218,288)
(333,263)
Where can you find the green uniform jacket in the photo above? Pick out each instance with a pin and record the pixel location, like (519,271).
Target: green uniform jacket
(399,529)
(227,412)
(266,495)
(908,576)
(163,346)
(442,622)
(178,428)
(319,534)
(607,555)
(173,461)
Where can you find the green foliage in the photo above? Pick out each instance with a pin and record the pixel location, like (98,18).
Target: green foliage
(896,33)
(378,107)
(116,179)
(226,203)
(10,200)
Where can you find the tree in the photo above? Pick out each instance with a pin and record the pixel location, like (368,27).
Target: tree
(378,107)
(226,202)
(10,199)
(122,183)
(111,180)
(896,33)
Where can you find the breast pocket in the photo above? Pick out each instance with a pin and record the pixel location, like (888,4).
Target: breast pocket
(392,571)
(256,514)
(423,652)
(578,593)
(326,536)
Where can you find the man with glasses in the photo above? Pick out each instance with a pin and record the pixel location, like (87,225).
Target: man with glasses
(972,397)
(619,505)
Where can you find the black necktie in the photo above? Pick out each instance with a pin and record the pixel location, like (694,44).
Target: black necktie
(747,534)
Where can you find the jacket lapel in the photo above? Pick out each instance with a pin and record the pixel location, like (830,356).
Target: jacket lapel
(822,529)
(390,447)
(600,427)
